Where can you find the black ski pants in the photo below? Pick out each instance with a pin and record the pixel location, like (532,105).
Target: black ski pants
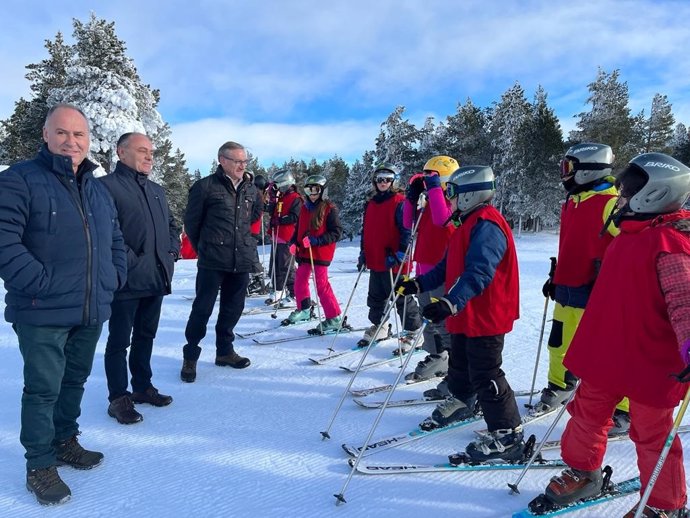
(474,367)
(379,290)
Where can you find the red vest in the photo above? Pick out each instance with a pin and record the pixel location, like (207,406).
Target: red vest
(579,244)
(493,311)
(432,240)
(625,343)
(380,233)
(282,208)
(322,254)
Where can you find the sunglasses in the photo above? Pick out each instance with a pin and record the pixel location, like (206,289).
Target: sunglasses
(383,179)
(312,189)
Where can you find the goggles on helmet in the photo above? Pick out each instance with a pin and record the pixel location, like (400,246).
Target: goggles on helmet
(312,189)
(383,179)
(453,190)
(569,167)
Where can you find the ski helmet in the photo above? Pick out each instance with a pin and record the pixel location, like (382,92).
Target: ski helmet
(260,182)
(472,185)
(443,165)
(315,180)
(587,162)
(283,179)
(655,183)
(388,171)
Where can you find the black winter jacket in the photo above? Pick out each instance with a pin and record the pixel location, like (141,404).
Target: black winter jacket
(62,255)
(151,235)
(218,220)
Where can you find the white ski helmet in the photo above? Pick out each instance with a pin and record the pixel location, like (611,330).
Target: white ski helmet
(588,162)
(655,183)
(283,179)
(386,170)
(472,185)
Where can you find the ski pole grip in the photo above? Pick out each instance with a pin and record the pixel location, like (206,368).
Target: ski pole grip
(552,270)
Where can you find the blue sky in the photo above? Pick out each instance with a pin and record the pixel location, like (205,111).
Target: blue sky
(310,78)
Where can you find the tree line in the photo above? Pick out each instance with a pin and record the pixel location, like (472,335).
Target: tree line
(520,138)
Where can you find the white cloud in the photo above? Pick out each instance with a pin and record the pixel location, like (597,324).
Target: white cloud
(272,142)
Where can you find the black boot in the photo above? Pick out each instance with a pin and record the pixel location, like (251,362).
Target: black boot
(122,409)
(71,453)
(47,485)
(233,360)
(152,397)
(188,372)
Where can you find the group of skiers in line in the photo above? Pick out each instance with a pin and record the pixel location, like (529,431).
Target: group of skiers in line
(624,256)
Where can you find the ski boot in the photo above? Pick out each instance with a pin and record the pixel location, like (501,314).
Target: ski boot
(505,444)
(450,411)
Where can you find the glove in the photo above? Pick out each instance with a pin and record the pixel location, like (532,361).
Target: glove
(415,188)
(292,249)
(437,311)
(685,352)
(314,241)
(393,260)
(432,180)
(549,289)
(361,262)
(407,286)
(306,242)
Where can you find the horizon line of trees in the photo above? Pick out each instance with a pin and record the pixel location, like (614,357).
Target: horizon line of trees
(520,139)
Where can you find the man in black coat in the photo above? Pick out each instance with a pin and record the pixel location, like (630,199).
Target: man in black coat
(219,213)
(61,257)
(153,245)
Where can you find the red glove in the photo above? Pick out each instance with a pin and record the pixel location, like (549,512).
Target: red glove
(293,249)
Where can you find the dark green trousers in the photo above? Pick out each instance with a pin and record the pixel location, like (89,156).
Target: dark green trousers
(57,362)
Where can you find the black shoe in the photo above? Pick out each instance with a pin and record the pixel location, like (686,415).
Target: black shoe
(47,485)
(188,372)
(233,360)
(122,409)
(71,453)
(152,397)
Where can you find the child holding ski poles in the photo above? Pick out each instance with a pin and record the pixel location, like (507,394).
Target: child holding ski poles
(433,233)
(284,207)
(317,231)
(383,246)
(634,335)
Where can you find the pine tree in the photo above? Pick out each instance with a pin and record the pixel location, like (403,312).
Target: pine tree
(176,182)
(466,135)
(680,148)
(397,143)
(658,128)
(358,187)
(336,172)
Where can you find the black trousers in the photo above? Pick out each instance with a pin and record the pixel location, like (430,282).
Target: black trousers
(379,289)
(282,263)
(135,322)
(233,289)
(474,367)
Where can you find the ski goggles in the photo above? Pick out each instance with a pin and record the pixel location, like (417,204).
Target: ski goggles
(569,167)
(453,190)
(383,179)
(312,189)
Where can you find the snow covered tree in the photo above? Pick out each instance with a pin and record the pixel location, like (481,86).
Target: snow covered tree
(397,143)
(358,187)
(465,135)
(336,172)
(175,179)
(680,144)
(658,128)
(609,121)
(509,117)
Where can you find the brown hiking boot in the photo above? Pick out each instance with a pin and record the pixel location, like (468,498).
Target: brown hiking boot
(188,372)
(573,485)
(233,360)
(71,453)
(47,485)
(122,409)
(152,397)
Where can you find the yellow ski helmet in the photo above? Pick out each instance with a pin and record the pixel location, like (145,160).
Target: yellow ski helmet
(444,166)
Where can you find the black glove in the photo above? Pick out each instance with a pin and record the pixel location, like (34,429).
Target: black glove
(361,262)
(549,289)
(407,286)
(415,188)
(437,311)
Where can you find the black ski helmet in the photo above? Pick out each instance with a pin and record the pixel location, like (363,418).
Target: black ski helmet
(260,182)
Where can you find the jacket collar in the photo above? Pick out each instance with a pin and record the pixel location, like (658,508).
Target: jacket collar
(123,169)
(62,165)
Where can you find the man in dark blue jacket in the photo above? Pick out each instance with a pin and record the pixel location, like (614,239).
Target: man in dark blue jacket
(220,210)
(62,257)
(152,245)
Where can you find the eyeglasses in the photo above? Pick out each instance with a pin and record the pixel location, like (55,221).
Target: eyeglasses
(235,161)
(312,189)
(383,179)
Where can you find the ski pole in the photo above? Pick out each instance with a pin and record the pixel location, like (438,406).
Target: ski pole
(541,334)
(347,306)
(664,453)
(325,434)
(340,497)
(316,291)
(514,487)
(397,326)
(287,274)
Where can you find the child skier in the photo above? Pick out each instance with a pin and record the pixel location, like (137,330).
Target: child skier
(481,303)
(317,231)
(637,327)
(433,233)
(383,246)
